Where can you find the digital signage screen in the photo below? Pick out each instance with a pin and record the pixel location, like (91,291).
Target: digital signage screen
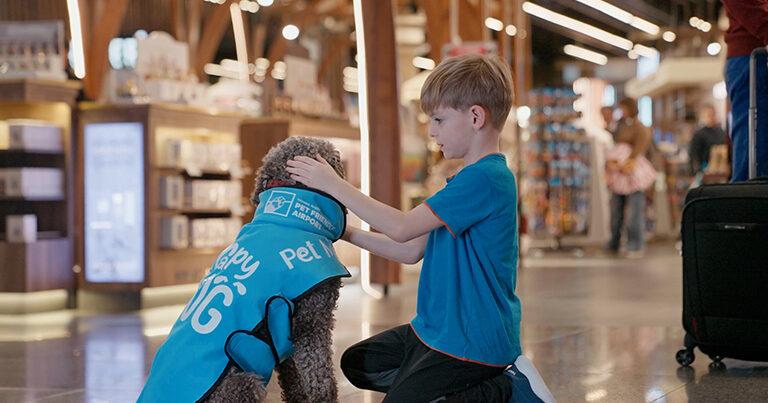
(114,202)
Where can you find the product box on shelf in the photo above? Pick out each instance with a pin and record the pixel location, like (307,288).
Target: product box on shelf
(202,194)
(235,196)
(4,135)
(174,232)
(223,156)
(32,49)
(46,183)
(213,232)
(172,192)
(21,228)
(176,153)
(34,135)
(212,194)
(194,155)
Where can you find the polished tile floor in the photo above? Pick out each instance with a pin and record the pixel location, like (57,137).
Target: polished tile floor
(599,330)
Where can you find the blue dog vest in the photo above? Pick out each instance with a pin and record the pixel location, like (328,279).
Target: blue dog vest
(282,254)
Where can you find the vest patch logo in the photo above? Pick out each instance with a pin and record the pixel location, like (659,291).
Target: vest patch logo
(279,203)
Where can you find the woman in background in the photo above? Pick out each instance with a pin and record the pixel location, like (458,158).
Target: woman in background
(632,133)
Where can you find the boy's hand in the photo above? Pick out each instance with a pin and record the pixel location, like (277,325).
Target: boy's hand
(316,173)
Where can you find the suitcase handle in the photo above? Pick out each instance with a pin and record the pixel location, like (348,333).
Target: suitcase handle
(752,120)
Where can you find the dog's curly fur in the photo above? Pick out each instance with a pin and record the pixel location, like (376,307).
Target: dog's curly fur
(307,375)
(274,163)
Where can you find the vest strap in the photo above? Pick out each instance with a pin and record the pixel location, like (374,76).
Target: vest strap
(254,354)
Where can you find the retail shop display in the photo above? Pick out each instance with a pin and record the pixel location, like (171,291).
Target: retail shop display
(161,74)
(178,198)
(300,95)
(32,49)
(678,183)
(556,161)
(36,199)
(718,169)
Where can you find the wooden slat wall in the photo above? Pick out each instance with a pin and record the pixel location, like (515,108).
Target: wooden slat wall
(150,15)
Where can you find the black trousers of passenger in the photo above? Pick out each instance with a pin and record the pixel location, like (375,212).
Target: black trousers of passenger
(397,363)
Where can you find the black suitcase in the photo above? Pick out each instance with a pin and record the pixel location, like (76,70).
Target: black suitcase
(725,264)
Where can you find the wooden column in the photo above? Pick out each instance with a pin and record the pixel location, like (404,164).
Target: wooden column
(383,117)
(522,68)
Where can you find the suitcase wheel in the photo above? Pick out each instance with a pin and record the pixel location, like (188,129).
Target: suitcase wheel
(716,364)
(685,357)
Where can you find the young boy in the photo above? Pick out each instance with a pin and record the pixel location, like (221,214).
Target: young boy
(467,326)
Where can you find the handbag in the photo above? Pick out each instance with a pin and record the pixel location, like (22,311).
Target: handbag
(642,176)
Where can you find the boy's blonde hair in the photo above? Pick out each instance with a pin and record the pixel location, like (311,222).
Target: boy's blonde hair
(463,81)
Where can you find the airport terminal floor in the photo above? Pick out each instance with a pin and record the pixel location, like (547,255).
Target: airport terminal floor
(599,329)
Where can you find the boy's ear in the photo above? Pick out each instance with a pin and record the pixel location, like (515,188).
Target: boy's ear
(478,116)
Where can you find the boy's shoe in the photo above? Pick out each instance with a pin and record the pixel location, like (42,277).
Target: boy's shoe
(527,384)
(634,254)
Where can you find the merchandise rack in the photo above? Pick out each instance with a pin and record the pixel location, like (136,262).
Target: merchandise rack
(47,263)
(557,178)
(151,126)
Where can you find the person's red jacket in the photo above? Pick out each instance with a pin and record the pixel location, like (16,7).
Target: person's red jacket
(748,26)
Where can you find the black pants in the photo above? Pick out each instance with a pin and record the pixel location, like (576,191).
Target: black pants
(397,363)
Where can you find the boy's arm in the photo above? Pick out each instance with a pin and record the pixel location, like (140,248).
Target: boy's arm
(379,244)
(399,226)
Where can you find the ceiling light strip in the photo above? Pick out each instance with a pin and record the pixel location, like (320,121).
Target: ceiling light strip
(585,54)
(622,15)
(576,25)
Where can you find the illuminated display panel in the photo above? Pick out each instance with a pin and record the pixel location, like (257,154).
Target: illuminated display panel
(114,202)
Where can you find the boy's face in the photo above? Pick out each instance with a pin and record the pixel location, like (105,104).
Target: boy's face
(452,130)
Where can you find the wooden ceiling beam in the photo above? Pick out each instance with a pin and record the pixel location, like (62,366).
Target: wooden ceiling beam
(438,26)
(216,24)
(300,18)
(193,30)
(102,23)
(471,24)
(334,50)
(258,41)
(178,24)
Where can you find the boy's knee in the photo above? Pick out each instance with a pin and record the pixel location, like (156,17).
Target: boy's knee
(353,368)
(350,361)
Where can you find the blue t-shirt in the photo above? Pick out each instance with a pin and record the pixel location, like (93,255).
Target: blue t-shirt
(467,307)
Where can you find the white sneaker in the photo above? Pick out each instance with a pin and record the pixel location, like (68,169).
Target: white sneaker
(527,384)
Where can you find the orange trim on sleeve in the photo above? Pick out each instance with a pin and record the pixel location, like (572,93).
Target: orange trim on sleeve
(453,356)
(440,219)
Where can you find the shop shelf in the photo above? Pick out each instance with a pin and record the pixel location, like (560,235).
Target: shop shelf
(42,265)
